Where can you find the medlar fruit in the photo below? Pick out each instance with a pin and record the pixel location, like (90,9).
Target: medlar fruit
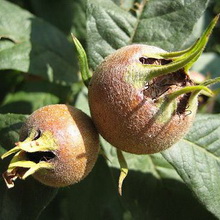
(142,99)
(58,145)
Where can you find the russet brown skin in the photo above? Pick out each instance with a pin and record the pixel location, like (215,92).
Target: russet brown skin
(124,115)
(78,142)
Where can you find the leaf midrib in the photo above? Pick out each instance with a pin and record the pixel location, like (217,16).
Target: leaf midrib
(138,21)
(201,149)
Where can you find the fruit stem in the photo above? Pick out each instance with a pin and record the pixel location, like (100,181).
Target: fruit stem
(123,170)
(83,61)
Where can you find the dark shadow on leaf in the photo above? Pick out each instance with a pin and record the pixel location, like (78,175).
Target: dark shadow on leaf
(10,135)
(17,107)
(51,56)
(25,201)
(144,197)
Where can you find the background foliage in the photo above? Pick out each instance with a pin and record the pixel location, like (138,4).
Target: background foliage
(38,66)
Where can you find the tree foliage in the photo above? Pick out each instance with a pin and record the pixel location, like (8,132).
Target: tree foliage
(38,66)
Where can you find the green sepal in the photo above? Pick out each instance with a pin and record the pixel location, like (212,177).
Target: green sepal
(166,110)
(168,104)
(123,170)
(83,62)
(31,167)
(188,89)
(34,168)
(20,166)
(45,143)
(180,59)
(12,151)
(17,157)
(21,163)
(211,81)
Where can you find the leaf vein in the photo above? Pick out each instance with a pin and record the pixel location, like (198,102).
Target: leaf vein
(202,149)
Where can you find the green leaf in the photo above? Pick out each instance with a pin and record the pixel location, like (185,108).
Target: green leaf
(28,198)
(95,197)
(166,24)
(127,5)
(8,81)
(9,129)
(51,11)
(152,190)
(198,28)
(197,160)
(208,64)
(28,102)
(81,101)
(79,19)
(26,201)
(34,95)
(70,19)
(158,179)
(110,26)
(38,47)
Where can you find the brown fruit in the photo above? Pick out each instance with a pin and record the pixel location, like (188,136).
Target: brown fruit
(58,144)
(134,114)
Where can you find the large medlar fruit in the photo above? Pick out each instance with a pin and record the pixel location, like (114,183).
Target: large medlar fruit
(142,99)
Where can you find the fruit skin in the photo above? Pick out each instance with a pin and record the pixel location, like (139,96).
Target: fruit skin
(128,119)
(76,138)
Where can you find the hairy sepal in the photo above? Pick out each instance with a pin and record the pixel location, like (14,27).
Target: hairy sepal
(178,60)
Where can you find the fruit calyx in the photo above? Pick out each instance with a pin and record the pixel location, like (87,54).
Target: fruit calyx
(34,153)
(164,78)
(162,63)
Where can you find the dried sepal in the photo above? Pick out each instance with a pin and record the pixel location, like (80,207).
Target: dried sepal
(20,166)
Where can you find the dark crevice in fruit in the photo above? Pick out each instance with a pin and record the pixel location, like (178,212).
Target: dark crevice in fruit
(40,156)
(37,135)
(147,61)
(163,85)
(183,105)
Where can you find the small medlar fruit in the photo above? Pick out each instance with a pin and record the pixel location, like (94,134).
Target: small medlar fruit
(58,145)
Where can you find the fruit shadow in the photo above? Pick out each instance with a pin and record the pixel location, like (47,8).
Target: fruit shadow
(144,197)
(46,59)
(28,198)
(25,201)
